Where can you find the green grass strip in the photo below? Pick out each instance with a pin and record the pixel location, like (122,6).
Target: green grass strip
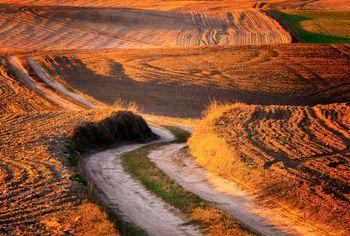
(211,219)
(297,18)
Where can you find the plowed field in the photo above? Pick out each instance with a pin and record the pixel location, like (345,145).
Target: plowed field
(38,193)
(189,5)
(92,28)
(297,156)
(290,74)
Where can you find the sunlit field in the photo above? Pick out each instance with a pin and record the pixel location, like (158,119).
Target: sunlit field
(165,117)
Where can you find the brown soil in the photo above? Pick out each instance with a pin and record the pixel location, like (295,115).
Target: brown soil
(312,4)
(35,180)
(295,156)
(295,152)
(38,191)
(17,98)
(93,28)
(207,5)
(153,79)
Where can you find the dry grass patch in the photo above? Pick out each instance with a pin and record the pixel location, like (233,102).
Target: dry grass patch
(88,219)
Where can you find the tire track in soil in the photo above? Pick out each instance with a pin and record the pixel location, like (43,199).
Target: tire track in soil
(22,75)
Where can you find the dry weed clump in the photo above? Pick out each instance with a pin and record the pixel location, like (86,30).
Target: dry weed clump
(121,126)
(220,223)
(87,220)
(291,157)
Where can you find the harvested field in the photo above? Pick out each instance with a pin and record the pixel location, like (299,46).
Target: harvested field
(91,28)
(38,191)
(56,85)
(283,74)
(294,156)
(67,67)
(190,5)
(320,26)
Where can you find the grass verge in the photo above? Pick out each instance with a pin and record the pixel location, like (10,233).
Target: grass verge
(211,220)
(319,26)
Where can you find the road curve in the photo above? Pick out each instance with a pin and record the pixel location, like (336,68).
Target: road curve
(123,195)
(180,167)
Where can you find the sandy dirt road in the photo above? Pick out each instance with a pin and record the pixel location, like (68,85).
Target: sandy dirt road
(22,75)
(123,195)
(226,195)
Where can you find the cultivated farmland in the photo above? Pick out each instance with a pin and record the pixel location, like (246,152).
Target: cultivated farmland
(68,28)
(204,5)
(270,156)
(292,157)
(293,74)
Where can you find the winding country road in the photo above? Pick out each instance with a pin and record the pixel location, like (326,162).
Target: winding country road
(123,195)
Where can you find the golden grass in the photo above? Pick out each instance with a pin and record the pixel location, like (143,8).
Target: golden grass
(290,157)
(87,220)
(220,223)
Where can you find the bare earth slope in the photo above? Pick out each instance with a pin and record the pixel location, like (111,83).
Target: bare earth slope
(18,99)
(22,75)
(92,28)
(296,156)
(190,4)
(283,74)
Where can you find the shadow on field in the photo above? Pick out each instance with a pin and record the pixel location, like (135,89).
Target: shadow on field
(154,97)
